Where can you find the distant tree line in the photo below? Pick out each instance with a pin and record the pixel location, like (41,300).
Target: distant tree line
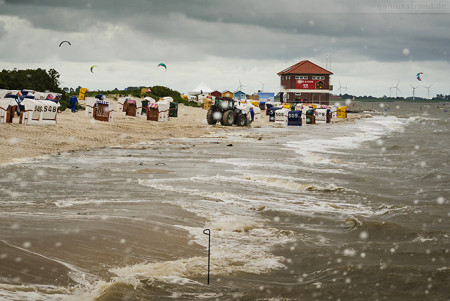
(156,92)
(39,80)
(34,79)
(441,97)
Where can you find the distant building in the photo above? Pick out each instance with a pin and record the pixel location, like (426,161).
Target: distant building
(239,95)
(227,94)
(305,82)
(254,96)
(266,96)
(216,94)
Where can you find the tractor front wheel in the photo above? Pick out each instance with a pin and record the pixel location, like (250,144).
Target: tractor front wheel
(210,118)
(228,118)
(242,120)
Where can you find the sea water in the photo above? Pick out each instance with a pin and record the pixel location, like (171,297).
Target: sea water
(348,211)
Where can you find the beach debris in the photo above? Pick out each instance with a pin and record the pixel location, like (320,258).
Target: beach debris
(418,76)
(92,68)
(153,171)
(230,144)
(260,208)
(160,163)
(162,65)
(65,42)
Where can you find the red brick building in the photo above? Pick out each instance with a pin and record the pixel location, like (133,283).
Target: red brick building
(307,82)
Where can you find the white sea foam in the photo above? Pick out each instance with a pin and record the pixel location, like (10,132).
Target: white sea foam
(75,273)
(317,150)
(33,292)
(284,183)
(308,205)
(246,162)
(420,238)
(75,202)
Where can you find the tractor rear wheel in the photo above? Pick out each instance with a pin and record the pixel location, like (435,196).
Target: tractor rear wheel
(228,118)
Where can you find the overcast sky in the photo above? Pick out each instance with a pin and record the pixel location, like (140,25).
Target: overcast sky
(225,43)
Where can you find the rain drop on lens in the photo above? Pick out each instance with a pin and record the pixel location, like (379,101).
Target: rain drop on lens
(440,200)
(363,235)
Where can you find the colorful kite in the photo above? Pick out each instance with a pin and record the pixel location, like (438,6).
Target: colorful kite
(162,65)
(418,76)
(92,68)
(64,42)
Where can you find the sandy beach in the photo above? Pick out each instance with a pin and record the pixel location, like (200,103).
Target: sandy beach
(75,132)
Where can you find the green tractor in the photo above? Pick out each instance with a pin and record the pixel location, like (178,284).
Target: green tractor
(225,110)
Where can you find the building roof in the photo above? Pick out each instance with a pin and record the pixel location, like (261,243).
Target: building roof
(304,67)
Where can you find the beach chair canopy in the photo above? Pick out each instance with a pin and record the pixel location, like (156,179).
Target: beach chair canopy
(150,99)
(11,96)
(167,98)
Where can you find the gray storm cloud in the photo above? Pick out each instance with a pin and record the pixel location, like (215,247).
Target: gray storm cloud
(251,33)
(255,28)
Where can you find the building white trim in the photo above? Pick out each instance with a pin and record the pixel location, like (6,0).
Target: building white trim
(305,91)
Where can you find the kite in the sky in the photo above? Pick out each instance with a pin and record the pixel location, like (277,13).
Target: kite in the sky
(92,68)
(64,42)
(162,65)
(418,76)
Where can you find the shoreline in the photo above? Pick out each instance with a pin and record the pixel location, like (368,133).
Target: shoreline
(76,132)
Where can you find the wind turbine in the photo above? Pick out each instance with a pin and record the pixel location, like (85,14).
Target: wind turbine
(396,89)
(345,88)
(390,91)
(262,88)
(428,88)
(414,91)
(240,86)
(340,88)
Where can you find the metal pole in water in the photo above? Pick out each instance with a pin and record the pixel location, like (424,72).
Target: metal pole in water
(208,232)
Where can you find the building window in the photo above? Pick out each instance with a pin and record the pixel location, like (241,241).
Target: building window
(318,77)
(298,94)
(301,77)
